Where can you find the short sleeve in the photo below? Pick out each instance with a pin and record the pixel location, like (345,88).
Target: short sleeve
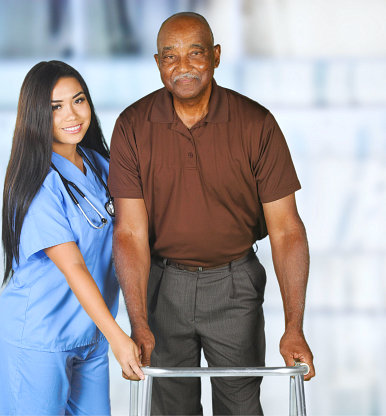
(124,173)
(274,170)
(45,224)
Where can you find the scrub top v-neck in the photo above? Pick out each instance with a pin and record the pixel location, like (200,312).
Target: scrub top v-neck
(39,309)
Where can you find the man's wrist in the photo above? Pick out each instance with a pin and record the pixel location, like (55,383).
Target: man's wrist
(139,325)
(294,328)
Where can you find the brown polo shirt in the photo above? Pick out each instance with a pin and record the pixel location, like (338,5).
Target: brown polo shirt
(203,187)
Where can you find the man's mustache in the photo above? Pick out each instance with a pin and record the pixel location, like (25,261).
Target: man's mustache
(186,75)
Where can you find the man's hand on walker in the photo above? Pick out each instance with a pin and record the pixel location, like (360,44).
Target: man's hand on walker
(293,347)
(145,341)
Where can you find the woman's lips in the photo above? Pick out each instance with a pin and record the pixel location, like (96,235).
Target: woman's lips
(73,129)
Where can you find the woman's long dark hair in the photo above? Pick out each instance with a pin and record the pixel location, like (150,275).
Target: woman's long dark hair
(32,149)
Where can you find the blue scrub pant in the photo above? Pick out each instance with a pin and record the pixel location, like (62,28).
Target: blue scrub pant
(74,382)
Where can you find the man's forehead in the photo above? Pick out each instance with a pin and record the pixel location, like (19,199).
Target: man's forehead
(170,45)
(192,30)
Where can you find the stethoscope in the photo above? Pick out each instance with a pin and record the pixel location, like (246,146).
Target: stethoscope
(109,205)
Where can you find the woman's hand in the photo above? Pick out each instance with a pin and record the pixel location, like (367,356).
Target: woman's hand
(127,354)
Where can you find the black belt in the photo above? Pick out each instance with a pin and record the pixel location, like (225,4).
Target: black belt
(193,268)
(200,268)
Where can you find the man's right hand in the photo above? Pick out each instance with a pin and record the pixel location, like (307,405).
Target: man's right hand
(145,342)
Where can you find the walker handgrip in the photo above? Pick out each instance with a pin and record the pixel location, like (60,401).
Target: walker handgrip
(301,364)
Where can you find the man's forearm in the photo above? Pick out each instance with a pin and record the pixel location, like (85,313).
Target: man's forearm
(291,260)
(132,264)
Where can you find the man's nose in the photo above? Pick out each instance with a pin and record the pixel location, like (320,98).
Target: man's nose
(184,64)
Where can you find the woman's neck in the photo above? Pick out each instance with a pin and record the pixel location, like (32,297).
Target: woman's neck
(69,152)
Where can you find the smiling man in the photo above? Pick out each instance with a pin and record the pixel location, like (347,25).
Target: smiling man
(199,173)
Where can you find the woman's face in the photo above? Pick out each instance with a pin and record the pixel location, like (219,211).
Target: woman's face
(71,112)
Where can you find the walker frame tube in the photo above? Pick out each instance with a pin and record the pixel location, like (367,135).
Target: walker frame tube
(140,391)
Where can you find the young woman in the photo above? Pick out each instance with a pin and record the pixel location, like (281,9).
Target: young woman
(61,295)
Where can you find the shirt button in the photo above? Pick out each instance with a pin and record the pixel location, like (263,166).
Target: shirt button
(190,154)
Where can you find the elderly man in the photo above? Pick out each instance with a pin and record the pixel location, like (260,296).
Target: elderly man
(199,173)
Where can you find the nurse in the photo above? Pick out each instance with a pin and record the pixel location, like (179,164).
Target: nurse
(60,298)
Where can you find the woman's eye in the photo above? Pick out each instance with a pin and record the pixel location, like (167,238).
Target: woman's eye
(56,107)
(79,100)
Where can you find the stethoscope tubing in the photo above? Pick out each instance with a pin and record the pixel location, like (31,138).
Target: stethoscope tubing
(103,219)
(95,170)
(68,183)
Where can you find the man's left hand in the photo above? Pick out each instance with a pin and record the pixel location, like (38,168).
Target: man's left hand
(293,347)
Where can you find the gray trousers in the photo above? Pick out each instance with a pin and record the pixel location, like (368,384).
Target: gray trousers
(219,311)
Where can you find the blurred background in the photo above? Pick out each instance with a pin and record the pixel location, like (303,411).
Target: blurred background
(320,67)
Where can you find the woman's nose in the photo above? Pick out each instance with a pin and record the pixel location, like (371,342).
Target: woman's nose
(70,113)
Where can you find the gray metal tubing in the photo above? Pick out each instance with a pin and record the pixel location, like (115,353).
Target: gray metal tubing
(140,392)
(134,387)
(225,371)
(292,397)
(300,398)
(147,386)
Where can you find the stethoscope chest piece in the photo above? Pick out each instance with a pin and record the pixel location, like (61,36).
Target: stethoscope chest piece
(109,206)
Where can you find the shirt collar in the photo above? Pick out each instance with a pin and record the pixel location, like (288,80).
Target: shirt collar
(162,110)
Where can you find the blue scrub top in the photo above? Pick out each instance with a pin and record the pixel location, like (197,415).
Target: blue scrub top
(38,309)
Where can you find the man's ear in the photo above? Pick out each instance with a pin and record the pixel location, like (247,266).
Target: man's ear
(156,59)
(217,53)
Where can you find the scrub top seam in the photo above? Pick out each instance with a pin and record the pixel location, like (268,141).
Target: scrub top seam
(98,340)
(25,315)
(49,244)
(16,385)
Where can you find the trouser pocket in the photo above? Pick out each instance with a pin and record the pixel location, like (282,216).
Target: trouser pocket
(252,275)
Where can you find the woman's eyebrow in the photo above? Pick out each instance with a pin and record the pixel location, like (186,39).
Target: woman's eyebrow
(78,93)
(58,101)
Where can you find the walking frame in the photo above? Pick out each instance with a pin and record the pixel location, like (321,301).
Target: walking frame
(140,391)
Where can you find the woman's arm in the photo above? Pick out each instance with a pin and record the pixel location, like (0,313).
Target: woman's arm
(69,260)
